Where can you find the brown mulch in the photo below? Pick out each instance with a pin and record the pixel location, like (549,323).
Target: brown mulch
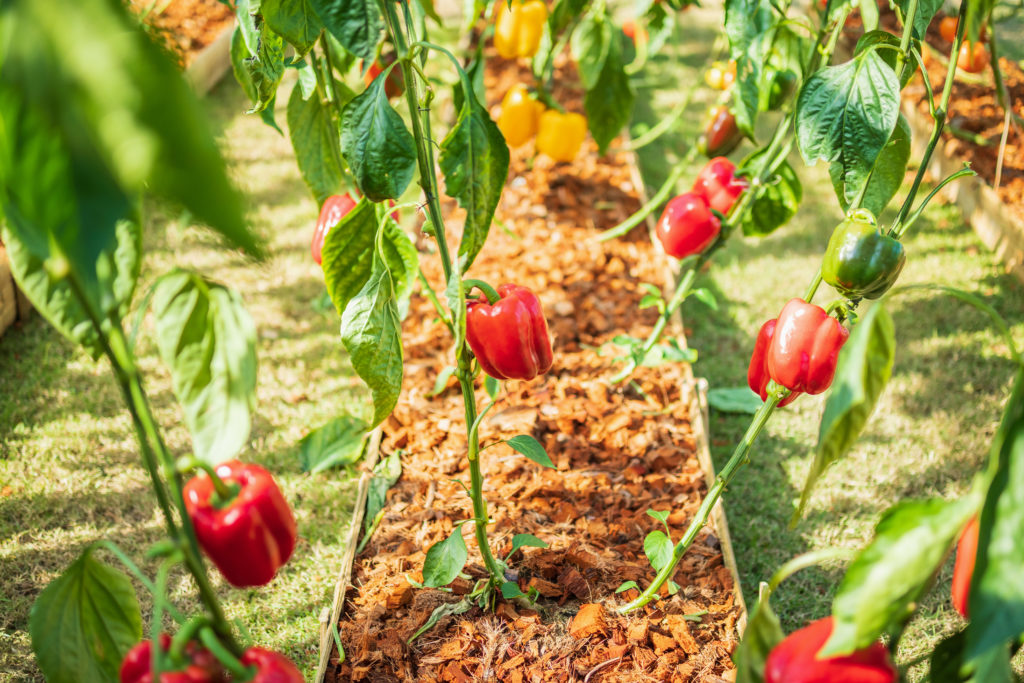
(618,453)
(184,27)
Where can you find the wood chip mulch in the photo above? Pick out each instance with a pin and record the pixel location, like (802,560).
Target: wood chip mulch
(618,452)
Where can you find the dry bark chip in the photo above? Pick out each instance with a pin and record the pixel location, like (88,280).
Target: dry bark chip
(590,620)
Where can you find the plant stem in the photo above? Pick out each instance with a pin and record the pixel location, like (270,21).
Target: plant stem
(652,205)
(476,489)
(739,458)
(898,227)
(908,30)
(683,290)
(428,181)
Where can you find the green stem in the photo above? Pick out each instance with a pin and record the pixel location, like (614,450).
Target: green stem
(813,289)
(908,30)
(133,568)
(655,202)
(939,117)
(683,289)
(225,656)
(433,298)
(740,457)
(476,477)
(492,294)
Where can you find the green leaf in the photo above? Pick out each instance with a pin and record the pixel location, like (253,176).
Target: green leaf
(651,300)
(947,663)
(130,106)
(247,14)
(660,515)
(776,202)
(295,20)
(526,540)
(385,475)
(865,365)
(307,80)
(259,73)
(84,622)
(926,10)
(704,295)
(886,580)
(591,45)
(762,634)
(208,341)
(887,45)
(355,23)
(531,448)
(734,400)
(626,585)
(887,176)
(445,560)
(670,352)
(997,588)
(846,114)
(474,160)
(510,590)
(442,380)
(371,333)
(378,147)
(348,254)
(658,548)
(313,132)
(339,442)
(609,104)
(492,386)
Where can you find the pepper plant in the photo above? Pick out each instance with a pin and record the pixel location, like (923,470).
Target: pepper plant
(70,190)
(359,142)
(848,115)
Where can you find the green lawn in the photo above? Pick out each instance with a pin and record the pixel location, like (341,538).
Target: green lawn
(69,465)
(932,428)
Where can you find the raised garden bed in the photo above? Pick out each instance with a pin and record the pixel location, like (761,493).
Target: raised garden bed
(619,451)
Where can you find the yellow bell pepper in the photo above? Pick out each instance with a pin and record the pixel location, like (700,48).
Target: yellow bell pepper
(561,135)
(517,31)
(520,116)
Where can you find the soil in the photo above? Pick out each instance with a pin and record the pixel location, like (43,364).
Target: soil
(618,452)
(184,27)
(973,108)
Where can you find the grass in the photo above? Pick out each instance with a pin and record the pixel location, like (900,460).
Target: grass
(70,471)
(931,430)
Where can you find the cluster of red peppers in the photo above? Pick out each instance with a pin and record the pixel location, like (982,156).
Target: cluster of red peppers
(687,225)
(199,665)
(795,660)
(244,524)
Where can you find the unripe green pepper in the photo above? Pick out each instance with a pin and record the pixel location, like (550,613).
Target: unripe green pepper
(783,84)
(861,262)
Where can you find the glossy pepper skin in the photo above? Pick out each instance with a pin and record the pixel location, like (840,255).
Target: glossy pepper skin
(963,570)
(757,373)
(795,660)
(687,226)
(271,667)
(510,337)
(560,136)
(251,536)
(718,184)
(202,667)
(334,209)
(394,86)
(861,262)
(721,135)
(517,31)
(721,76)
(804,348)
(973,57)
(520,116)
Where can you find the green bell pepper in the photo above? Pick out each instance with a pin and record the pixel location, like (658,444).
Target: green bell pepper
(860,261)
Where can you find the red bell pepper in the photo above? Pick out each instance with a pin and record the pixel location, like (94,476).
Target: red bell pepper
(804,348)
(248,537)
(687,226)
(963,570)
(795,660)
(202,667)
(334,209)
(510,337)
(757,373)
(718,184)
(271,667)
